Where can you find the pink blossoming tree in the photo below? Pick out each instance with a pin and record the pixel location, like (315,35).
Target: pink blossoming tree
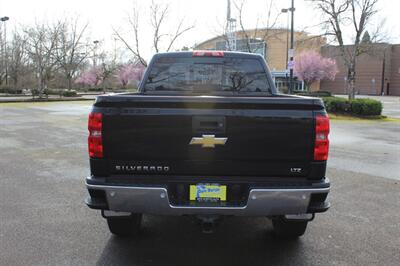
(91,77)
(128,73)
(310,66)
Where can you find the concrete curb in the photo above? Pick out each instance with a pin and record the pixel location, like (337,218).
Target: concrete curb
(3,100)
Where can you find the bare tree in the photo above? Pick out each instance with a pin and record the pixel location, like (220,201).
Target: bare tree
(71,50)
(339,14)
(18,58)
(41,45)
(108,65)
(162,41)
(134,23)
(157,16)
(3,57)
(264,29)
(246,36)
(268,25)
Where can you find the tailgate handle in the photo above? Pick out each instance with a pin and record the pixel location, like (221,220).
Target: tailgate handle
(204,124)
(209,124)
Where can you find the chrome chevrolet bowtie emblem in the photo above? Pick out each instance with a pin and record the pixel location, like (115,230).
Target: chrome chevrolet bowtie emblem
(208,141)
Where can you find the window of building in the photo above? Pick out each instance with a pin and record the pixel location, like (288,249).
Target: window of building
(256,46)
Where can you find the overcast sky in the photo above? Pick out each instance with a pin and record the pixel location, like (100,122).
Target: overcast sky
(206,15)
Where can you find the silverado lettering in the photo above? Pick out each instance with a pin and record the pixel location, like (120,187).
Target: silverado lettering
(208,135)
(144,168)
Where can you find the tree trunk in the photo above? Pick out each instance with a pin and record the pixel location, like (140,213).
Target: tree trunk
(351,89)
(69,82)
(351,78)
(41,85)
(15,81)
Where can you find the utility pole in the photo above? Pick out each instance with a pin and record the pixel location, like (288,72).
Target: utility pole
(5,58)
(291,48)
(115,50)
(383,73)
(230,30)
(96,43)
(286,10)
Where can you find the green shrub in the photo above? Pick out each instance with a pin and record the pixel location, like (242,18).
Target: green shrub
(70,93)
(35,92)
(95,89)
(322,93)
(337,104)
(52,92)
(366,107)
(314,93)
(359,107)
(10,90)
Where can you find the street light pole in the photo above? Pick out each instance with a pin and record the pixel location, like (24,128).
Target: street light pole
(96,42)
(5,58)
(291,48)
(286,10)
(289,64)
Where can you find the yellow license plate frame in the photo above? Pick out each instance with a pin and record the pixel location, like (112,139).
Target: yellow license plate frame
(200,192)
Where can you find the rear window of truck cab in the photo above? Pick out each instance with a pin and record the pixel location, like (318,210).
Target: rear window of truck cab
(207,75)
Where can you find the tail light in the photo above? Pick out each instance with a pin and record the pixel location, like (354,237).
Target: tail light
(95,140)
(209,53)
(321,147)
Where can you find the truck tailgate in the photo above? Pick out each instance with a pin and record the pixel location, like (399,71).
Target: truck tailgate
(269,136)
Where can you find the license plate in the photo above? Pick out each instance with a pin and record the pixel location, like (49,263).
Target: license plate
(208,192)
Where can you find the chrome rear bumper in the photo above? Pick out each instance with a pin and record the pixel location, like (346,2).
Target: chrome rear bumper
(154,200)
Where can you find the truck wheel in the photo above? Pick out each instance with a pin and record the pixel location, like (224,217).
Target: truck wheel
(125,226)
(288,229)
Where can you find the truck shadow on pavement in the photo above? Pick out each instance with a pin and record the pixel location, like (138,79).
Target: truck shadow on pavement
(179,241)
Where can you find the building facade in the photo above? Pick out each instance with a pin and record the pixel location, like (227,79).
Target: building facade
(377,70)
(273,45)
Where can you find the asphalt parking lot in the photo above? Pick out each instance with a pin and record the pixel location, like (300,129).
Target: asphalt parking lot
(43,221)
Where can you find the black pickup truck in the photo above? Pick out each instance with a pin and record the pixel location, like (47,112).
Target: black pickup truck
(208,135)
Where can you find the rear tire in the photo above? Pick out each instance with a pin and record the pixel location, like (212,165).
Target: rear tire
(125,226)
(289,229)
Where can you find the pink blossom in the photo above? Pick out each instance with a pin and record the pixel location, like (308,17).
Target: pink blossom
(128,73)
(310,66)
(91,77)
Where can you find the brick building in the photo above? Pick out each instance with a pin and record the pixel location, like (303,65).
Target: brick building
(272,44)
(377,71)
